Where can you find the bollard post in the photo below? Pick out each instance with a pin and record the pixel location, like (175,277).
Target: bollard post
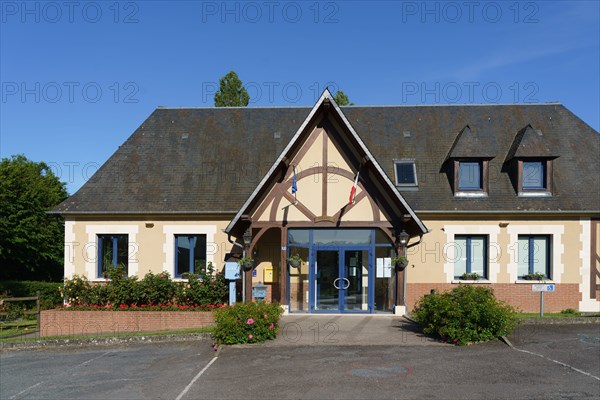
(39,313)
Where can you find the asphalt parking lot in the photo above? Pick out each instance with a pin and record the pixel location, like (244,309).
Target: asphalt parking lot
(549,362)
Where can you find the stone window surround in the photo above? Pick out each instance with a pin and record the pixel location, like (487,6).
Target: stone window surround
(91,262)
(491,231)
(169,244)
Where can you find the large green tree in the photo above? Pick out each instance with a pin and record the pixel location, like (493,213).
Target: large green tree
(342,99)
(231,92)
(31,240)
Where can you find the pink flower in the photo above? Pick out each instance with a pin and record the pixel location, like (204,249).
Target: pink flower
(271,326)
(250,322)
(250,336)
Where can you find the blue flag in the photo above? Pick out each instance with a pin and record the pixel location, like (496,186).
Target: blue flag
(294,183)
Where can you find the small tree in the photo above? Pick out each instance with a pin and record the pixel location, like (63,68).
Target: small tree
(342,99)
(231,92)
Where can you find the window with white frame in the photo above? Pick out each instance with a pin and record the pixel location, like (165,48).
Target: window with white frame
(190,254)
(534,256)
(470,255)
(113,251)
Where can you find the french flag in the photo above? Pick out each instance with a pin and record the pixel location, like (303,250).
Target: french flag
(353,190)
(294,183)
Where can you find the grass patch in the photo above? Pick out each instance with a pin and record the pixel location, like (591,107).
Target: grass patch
(558,315)
(207,329)
(13,328)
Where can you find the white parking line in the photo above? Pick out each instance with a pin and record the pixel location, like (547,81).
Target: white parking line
(559,363)
(70,369)
(195,379)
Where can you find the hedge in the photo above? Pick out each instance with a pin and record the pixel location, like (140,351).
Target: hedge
(49,291)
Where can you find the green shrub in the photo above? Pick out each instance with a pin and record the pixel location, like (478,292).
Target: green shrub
(466,314)
(247,323)
(571,311)
(10,311)
(203,288)
(50,296)
(122,289)
(77,290)
(202,291)
(157,289)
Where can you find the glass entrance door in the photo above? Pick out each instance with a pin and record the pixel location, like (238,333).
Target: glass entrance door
(327,280)
(341,280)
(355,280)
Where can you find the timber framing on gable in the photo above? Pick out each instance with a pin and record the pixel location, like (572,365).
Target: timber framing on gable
(327,155)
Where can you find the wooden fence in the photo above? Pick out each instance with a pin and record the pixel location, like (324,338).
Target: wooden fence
(37,310)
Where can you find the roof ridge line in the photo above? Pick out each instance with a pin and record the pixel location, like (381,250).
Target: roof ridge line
(366,106)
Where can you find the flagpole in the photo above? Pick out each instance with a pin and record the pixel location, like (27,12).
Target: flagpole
(294,185)
(354,187)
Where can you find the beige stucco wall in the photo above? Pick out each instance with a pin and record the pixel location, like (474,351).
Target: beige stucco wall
(432,260)
(310,188)
(151,242)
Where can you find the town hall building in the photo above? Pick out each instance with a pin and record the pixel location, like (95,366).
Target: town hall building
(502,196)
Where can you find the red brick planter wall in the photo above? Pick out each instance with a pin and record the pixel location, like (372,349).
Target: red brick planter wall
(519,295)
(93,323)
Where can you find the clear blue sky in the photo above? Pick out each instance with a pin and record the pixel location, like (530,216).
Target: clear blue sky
(78,78)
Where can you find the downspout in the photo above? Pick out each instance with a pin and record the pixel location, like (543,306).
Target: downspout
(408,246)
(404,293)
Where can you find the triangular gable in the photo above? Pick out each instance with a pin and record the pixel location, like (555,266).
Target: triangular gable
(529,142)
(371,175)
(472,143)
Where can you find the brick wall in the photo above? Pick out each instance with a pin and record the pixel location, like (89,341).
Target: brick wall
(93,323)
(519,295)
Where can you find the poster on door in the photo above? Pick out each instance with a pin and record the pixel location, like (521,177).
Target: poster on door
(384,267)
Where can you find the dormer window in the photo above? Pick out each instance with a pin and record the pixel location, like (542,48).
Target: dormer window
(529,163)
(535,177)
(468,160)
(406,173)
(470,177)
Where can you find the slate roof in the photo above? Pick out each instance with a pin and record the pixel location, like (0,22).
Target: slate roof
(209,160)
(471,143)
(531,143)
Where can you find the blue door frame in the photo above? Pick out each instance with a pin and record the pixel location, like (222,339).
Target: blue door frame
(313,291)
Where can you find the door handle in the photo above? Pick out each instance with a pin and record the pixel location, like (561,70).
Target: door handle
(335,283)
(348,281)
